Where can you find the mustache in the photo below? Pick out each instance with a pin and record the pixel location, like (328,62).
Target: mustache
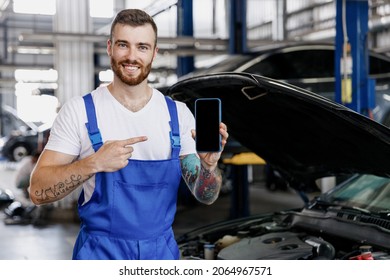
(128,61)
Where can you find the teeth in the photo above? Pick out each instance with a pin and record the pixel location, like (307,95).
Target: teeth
(131,68)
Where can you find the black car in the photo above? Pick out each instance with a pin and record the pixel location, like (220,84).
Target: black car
(21,138)
(305,137)
(307,65)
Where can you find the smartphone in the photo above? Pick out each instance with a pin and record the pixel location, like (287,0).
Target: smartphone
(207,120)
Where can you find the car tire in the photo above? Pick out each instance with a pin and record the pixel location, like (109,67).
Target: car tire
(19,151)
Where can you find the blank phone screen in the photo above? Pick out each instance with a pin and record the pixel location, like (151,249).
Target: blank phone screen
(207,119)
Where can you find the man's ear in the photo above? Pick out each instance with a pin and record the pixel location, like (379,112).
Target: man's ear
(155,52)
(109,47)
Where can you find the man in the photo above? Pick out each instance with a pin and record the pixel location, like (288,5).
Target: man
(127,146)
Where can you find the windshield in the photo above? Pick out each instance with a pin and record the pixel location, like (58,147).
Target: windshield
(229,64)
(367,192)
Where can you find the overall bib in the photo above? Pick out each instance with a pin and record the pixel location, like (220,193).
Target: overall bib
(131,211)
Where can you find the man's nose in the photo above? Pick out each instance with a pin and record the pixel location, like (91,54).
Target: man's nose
(132,53)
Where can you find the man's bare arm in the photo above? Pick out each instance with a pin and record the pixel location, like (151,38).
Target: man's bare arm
(201,172)
(56,175)
(204,182)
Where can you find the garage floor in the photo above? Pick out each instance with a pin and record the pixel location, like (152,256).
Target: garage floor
(54,240)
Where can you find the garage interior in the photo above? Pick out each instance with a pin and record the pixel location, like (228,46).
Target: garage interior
(51,55)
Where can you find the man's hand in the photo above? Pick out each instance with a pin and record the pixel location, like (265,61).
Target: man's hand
(114,155)
(210,160)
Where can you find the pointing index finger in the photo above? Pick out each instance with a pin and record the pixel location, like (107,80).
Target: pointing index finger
(134,140)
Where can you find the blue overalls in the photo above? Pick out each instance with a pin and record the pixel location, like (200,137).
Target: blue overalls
(131,211)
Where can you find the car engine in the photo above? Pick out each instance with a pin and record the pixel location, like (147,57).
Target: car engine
(276,238)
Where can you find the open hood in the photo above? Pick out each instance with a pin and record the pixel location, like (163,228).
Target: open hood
(303,135)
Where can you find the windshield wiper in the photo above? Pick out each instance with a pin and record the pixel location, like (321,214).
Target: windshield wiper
(384,213)
(355,208)
(325,205)
(320,203)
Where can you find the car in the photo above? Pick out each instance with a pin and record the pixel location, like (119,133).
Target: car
(309,65)
(21,138)
(305,137)
(6,198)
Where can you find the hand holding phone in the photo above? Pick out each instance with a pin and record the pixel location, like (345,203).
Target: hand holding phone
(207,120)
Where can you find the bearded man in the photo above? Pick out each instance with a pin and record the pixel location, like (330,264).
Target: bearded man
(127,146)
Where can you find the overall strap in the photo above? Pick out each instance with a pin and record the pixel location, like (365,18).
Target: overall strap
(174,123)
(92,127)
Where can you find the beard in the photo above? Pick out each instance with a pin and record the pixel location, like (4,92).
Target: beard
(116,67)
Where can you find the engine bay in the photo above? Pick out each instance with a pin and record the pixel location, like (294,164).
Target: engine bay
(278,237)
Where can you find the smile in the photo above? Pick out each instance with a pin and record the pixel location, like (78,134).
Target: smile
(131,67)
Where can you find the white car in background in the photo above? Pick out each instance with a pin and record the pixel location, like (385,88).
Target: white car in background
(20,138)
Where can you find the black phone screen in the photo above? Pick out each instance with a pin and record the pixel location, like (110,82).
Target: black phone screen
(207,119)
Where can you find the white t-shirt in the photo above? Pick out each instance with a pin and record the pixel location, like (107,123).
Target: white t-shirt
(69,134)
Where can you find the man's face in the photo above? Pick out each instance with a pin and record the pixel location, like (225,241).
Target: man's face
(132,51)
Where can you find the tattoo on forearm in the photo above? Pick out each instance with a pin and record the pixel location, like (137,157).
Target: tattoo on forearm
(204,184)
(190,169)
(61,188)
(208,185)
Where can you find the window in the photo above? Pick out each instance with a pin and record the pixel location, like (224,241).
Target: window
(101,9)
(32,102)
(40,7)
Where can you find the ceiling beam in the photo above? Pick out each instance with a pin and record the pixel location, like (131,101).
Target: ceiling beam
(182,41)
(181,46)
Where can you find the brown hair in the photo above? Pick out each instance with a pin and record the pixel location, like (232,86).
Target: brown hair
(133,17)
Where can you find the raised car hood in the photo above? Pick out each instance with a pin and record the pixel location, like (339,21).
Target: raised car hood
(300,133)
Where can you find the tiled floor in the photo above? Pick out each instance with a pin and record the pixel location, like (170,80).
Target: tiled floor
(54,241)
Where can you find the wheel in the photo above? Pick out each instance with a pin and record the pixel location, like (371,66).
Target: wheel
(19,151)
